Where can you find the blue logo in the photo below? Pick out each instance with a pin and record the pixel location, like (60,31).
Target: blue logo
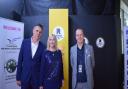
(59,32)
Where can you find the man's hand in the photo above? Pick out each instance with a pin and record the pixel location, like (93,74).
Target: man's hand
(18,83)
(41,87)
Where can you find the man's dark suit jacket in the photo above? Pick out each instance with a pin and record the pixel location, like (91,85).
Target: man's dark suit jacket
(28,67)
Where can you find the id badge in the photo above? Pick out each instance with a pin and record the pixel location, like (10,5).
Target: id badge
(80,68)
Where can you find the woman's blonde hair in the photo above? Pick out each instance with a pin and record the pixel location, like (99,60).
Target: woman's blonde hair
(48,45)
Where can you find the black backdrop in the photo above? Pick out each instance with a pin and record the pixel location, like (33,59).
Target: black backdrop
(107,72)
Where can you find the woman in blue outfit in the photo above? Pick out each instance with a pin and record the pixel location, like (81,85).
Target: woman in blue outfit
(51,76)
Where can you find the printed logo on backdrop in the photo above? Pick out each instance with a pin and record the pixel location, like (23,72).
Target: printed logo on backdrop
(10,70)
(86,40)
(59,32)
(13,28)
(100,42)
(10,66)
(12,42)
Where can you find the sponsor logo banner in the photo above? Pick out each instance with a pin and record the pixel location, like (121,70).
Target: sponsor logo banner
(11,36)
(126,58)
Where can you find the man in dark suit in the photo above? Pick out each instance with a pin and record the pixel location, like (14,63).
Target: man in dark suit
(28,68)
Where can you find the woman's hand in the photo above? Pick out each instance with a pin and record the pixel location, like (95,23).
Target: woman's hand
(62,83)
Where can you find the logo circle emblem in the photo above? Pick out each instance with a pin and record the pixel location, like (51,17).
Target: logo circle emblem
(86,40)
(59,32)
(100,42)
(10,65)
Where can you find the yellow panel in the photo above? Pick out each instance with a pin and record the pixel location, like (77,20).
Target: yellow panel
(58,25)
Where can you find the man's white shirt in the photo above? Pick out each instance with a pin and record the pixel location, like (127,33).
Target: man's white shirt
(34,47)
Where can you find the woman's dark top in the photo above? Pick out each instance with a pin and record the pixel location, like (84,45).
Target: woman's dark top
(51,69)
